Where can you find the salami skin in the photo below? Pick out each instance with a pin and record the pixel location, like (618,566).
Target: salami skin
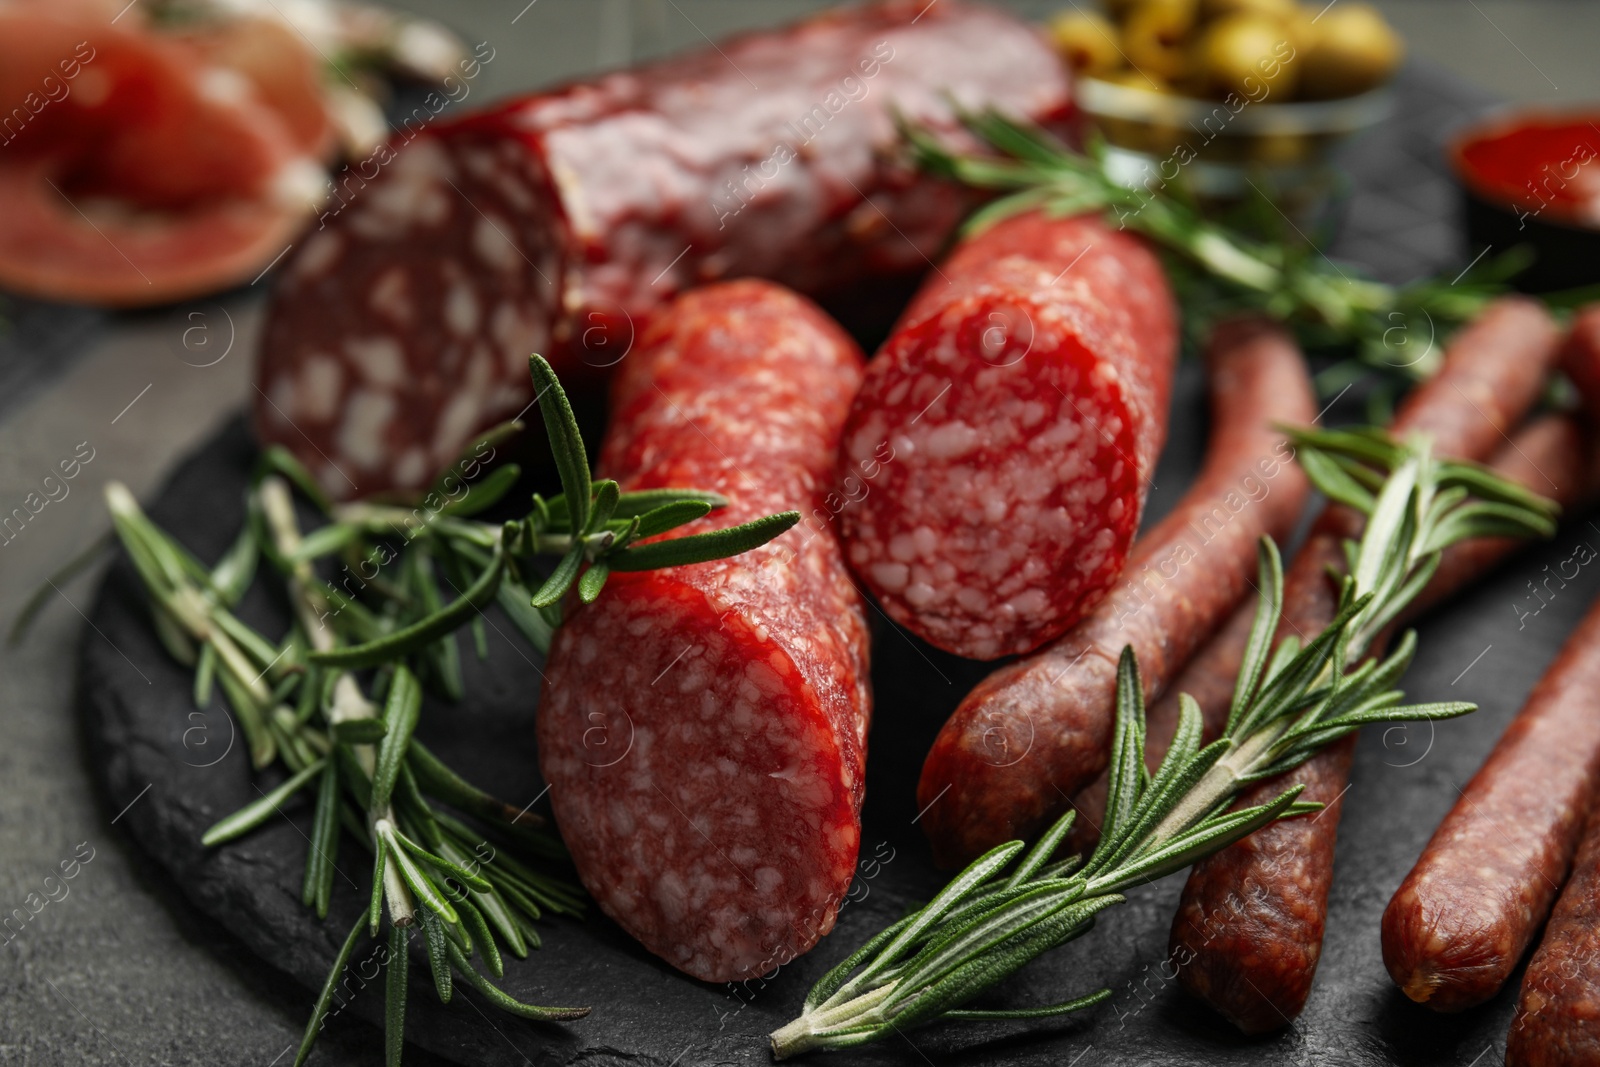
(1251,919)
(703,728)
(1021,403)
(1557,1020)
(1036,731)
(563,222)
(1458,924)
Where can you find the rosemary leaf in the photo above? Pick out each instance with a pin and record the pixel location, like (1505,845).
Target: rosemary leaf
(670,516)
(566,443)
(259,810)
(486,493)
(324,847)
(325,998)
(396,971)
(500,999)
(593,581)
(703,547)
(438,955)
(400,714)
(279,460)
(205,675)
(472,919)
(415,877)
(566,572)
(420,634)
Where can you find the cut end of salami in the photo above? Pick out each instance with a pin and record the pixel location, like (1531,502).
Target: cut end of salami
(1006,433)
(703,728)
(402,324)
(697,780)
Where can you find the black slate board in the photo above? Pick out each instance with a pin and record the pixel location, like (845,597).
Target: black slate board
(142,730)
(149,734)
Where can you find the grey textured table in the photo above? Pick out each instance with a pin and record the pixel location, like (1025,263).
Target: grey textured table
(119,970)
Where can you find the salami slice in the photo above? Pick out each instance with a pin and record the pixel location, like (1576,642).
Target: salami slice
(1036,731)
(1252,955)
(1016,413)
(563,222)
(703,728)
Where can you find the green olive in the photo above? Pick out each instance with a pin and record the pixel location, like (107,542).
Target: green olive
(1155,37)
(1246,55)
(1087,41)
(1352,49)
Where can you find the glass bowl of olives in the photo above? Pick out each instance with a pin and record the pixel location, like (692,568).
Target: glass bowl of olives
(1229,98)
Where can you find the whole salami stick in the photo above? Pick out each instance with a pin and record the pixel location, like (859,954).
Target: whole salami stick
(1551,448)
(1008,428)
(703,728)
(1250,923)
(564,221)
(1036,730)
(1459,923)
(1554,1022)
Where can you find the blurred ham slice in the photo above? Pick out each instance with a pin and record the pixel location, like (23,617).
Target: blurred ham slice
(140,167)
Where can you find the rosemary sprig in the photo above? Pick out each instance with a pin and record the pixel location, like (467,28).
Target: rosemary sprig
(1289,701)
(1217,268)
(475,887)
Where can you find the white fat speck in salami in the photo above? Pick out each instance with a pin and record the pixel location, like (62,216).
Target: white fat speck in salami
(703,728)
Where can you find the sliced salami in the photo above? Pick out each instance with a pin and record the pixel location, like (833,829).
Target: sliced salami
(1016,413)
(563,222)
(703,728)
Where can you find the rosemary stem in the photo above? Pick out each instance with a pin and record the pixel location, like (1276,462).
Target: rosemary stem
(1218,783)
(811,1029)
(311,608)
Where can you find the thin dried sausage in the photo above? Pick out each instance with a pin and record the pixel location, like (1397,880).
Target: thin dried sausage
(1251,918)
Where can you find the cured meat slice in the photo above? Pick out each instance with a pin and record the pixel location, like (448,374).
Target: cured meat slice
(703,728)
(1036,731)
(135,169)
(1016,413)
(564,221)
